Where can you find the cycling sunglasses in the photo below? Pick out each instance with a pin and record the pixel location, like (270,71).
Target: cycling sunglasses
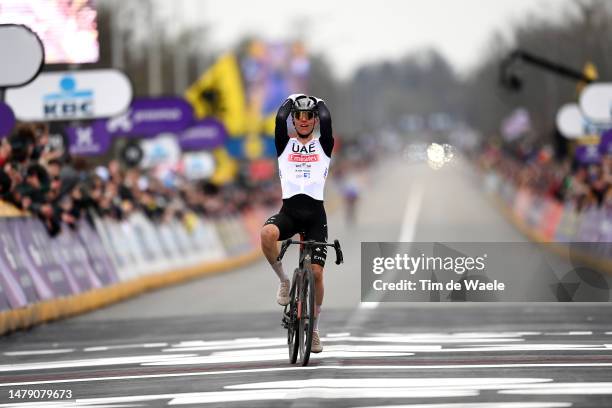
(302,115)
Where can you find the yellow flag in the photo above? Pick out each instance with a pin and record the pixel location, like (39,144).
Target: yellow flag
(227,168)
(218,92)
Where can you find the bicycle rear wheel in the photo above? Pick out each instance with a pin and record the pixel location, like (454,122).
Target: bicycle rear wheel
(293,335)
(307,316)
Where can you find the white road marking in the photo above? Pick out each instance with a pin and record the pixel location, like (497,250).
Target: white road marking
(330,335)
(94,362)
(313,368)
(578,388)
(37,352)
(411,213)
(258,355)
(455,383)
(481,405)
(125,346)
(325,393)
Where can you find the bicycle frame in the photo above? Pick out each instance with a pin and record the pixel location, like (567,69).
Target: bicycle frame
(293,319)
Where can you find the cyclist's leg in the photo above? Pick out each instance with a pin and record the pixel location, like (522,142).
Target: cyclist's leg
(317,230)
(277,228)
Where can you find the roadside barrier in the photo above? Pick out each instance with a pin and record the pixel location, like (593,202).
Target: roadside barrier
(43,278)
(545,220)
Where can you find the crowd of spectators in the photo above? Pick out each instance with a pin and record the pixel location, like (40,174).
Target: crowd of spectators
(581,186)
(61,190)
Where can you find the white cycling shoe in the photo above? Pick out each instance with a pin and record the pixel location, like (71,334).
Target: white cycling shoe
(282,295)
(316,346)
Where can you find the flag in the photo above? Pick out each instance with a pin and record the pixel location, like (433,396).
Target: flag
(219,93)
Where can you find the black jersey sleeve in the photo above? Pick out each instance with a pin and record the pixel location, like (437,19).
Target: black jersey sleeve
(281,136)
(327,138)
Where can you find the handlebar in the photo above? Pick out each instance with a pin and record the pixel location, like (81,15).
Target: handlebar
(286,243)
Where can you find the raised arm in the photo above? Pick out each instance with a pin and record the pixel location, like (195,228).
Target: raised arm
(327,138)
(281,136)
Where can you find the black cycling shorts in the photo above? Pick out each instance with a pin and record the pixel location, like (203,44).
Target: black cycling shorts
(297,216)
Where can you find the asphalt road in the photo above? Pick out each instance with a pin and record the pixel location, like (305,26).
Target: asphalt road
(218,341)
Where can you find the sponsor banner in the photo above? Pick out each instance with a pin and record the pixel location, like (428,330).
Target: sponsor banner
(88,140)
(4,302)
(605,143)
(7,119)
(151,116)
(33,241)
(74,257)
(163,149)
(19,68)
(588,154)
(33,284)
(479,272)
(198,166)
(206,134)
(596,102)
(96,254)
(15,279)
(72,95)
(75,273)
(572,123)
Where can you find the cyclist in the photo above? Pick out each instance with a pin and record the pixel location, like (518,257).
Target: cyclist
(303,164)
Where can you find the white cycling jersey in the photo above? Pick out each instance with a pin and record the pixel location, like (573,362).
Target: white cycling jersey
(303,169)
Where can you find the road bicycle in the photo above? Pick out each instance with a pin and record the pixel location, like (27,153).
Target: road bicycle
(298,315)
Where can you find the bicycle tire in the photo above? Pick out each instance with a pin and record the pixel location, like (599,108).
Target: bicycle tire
(307,321)
(293,336)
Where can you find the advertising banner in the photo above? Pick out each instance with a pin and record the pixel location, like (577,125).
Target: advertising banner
(7,119)
(205,134)
(75,273)
(98,258)
(72,95)
(151,116)
(74,259)
(198,166)
(34,287)
(88,140)
(15,278)
(163,149)
(23,55)
(33,241)
(596,102)
(605,143)
(588,154)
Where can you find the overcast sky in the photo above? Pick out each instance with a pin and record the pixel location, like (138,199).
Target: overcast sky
(352,32)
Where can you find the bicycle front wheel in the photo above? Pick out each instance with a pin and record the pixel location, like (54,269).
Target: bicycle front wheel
(307,314)
(293,334)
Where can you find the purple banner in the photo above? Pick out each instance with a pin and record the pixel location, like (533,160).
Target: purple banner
(16,268)
(88,140)
(4,302)
(74,259)
(605,144)
(206,134)
(34,242)
(151,116)
(98,258)
(7,119)
(588,154)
